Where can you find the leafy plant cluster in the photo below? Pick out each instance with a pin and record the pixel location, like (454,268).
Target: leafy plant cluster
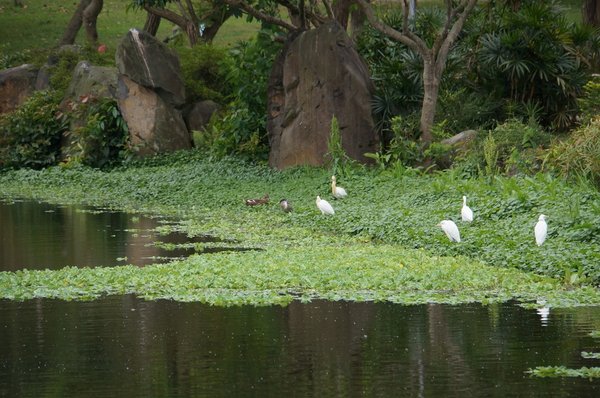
(578,156)
(529,64)
(103,138)
(30,136)
(204,68)
(241,129)
(562,371)
(510,148)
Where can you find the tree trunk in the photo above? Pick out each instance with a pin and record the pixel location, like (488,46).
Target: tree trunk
(152,23)
(357,21)
(74,24)
(591,12)
(341,10)
(431,88)
(90,18)
(19,3)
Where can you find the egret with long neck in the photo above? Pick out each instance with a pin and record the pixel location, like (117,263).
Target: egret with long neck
(338,192)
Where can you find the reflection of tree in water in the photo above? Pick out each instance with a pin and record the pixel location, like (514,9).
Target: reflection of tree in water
(121,345)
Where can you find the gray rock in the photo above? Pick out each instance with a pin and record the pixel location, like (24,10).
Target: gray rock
(461,138)
(322,76)
(16,85)
(90,80)
(150,63)
(198,115)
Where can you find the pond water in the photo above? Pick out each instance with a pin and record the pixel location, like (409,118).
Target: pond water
(120,346)
(37,235)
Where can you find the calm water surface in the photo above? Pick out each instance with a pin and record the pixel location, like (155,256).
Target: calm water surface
(121,346)
(37,235)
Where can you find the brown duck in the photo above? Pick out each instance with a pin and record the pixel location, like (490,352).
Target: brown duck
(256,202)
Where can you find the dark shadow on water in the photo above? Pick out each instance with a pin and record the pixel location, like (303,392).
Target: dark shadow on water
(121,346)
(37,235)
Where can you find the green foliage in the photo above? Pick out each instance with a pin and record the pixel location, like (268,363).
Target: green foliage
(404,147)
(541,54)
(242,128)
(490,155)
(511,148)
(10,59)
(590,355)
(282,274)
(61,72)
(204,68)
(579,155)
(595,334)
(336,156)
(589,102)
(103,139)
(398,207)
(561,371)
(30,136)
(63,62)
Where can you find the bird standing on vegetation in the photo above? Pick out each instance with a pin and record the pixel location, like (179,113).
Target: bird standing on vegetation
(466,212)
(324,206)
(338,192)
(285,205)
(255,202)
(450,229)
(540,230)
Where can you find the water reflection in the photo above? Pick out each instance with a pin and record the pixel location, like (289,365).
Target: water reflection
(122,346)
(39,235)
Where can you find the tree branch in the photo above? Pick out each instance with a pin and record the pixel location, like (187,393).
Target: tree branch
(442,55)
(167,14)
(411,40)
(260,15)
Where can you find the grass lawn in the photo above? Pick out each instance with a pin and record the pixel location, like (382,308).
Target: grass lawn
(382,243)
(41,24)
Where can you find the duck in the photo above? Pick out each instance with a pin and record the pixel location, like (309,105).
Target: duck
(285,205)
(255,202)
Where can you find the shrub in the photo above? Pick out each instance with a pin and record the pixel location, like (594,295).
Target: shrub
(511,148)
(579,155)
(534,55)
(31,135)
(589,102)
(204,69)
(241,129)
(102,140)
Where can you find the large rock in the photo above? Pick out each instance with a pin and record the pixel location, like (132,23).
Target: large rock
(154,125)
(90,80)
(16,85)
(322,76)
(198,115)
(150,63)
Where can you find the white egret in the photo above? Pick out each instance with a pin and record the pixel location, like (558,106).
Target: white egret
(541,230)
(450,229)
(285,205)
(338,192)
(466,212)
(324,206)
